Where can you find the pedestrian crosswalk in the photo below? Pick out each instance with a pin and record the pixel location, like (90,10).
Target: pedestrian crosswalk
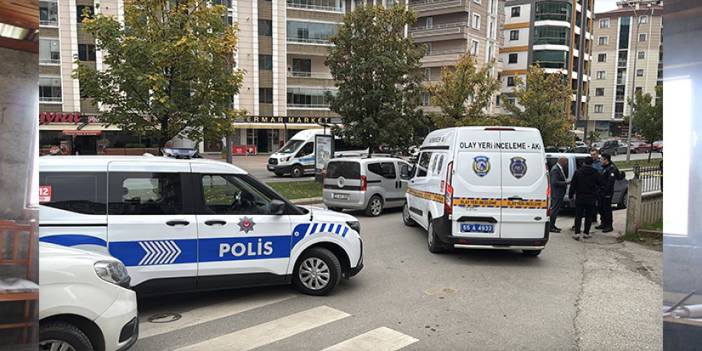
(263,335)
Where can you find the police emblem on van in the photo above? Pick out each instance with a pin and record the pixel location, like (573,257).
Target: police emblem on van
(246,224)
(481,165)
(518,167)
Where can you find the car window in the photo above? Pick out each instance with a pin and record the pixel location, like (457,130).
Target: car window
(83,192)
(290,146)
(439,162)
(233,195)
(145,194)
(423,164)
(306,150)
(579,162)
(346,169)
(383,169)
(405,170)
(551,161)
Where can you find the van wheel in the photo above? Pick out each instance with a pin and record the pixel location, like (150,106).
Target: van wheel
(375,206)
(531,253)
(406,219)
(317,272)
(63,336)
(296,172)
(432,241)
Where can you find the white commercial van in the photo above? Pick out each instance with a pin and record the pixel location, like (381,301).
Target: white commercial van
(481,187)
(296,157)
(180,224)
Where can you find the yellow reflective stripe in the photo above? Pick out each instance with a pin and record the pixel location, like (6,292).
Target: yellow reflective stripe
(426,195)
(503,203)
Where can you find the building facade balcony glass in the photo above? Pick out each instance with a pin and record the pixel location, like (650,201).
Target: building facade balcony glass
(48,13)
(318,5)
(554,35)
(310,32)
(551,58)
(308,97)
(553,11)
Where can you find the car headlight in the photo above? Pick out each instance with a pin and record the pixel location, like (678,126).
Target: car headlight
(355,225)
(113,272)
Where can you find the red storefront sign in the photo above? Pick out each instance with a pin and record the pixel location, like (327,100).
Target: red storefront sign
(65,117)
(241,150)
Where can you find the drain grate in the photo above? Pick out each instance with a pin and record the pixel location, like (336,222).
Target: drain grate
(166,317)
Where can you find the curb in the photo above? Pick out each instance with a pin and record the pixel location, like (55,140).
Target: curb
(307,201)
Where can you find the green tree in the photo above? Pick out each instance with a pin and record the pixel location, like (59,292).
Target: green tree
(463,93)
(541,102)
(648,116)
(169,69)
(379,77)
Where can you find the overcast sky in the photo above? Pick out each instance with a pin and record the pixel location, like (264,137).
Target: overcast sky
(605,5)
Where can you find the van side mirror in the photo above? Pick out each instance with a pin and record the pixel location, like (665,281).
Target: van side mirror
(277,207)
(412,171)
(405,172)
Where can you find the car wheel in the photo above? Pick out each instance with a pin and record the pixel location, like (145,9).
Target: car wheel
(296,172)
(317,272)
(64,337)
(623,201)
(531,253)
(432,241)
(375,206)
(406,219)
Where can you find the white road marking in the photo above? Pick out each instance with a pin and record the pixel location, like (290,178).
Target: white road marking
(212,312)
(270,332)
(381,339)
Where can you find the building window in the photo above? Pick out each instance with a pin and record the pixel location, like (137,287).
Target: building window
(476,1)
(639,73)
(265,28)
(599,91)
(603,40)
(49,53)
(643,19)
(48,13)
(600,75)
(86,52)
(475,47)
(308,97)
(426,99)
(553,10)
(81,8)
(513,58)
(516,11)
(555,35)
(514,35)
(427,73)
(642,55)
(265,62)
(604,23)
(49,89)
(638,90)
(323,5)
(476,21)
(510,81)
(601,57)
(301,67)
(265,95)
(642,37)
(429,22)
(599,108)
(310,32)
(551,58)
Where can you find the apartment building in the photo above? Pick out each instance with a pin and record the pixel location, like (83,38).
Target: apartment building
(556,34)
(628,56)
(451,28)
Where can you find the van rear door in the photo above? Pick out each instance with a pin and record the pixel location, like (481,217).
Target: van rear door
(476,183)
(524,185)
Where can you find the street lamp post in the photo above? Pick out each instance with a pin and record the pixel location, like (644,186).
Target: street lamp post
(635,4)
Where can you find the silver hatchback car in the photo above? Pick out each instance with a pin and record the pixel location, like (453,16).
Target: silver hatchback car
(369,184)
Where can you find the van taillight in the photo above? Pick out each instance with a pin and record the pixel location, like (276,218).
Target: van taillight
(448,195)
(364,183)
(548,195)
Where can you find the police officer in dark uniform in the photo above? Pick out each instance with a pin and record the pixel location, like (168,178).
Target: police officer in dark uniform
(610,174)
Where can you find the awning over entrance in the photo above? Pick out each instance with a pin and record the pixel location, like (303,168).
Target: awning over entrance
(276,126)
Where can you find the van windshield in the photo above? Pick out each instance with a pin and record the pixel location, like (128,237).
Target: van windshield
(291,146)
(348,170)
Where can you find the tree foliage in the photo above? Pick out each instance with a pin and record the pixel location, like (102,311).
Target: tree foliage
(648,115)
(541,102)
(168,69)
(378,75)
(463,93)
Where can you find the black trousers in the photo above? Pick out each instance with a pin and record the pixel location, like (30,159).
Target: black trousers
(586,211)
(605,207)
(556,204)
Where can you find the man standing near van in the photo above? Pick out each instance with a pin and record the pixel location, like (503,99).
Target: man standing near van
(597,166)
(583,187)
(559,184)
(610,174)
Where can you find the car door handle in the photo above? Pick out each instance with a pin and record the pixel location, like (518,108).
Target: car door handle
(177,222)
(216,222)
(514,198)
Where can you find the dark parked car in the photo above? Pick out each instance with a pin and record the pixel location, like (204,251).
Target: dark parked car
(613,147)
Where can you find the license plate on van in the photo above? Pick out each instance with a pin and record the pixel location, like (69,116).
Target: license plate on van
(340,196)
(477,228)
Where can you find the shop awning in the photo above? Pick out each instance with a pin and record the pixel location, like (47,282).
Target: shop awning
(82,132)
(71,126)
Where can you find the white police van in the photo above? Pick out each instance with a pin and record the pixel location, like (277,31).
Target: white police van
(296,157)
(481,187)
(193,224)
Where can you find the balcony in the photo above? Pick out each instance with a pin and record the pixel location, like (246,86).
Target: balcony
(443,57)
(438,7)
(301,5)
(445,31)
(316,79)
(50,99)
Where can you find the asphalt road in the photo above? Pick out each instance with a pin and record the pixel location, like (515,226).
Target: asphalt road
(599,295)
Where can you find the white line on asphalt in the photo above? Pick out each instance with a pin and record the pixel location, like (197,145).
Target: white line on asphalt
(270,332)
(212,312)
(381,339)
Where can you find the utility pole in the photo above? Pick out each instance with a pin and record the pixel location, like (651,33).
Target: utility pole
(636,5)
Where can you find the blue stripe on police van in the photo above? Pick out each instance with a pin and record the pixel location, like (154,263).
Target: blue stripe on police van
(73,240)
(154,252)
(346,229)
